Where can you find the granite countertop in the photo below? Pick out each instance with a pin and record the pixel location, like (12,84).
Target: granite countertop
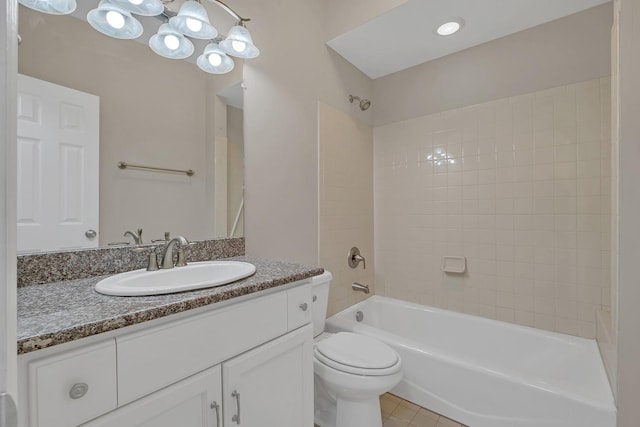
(56,313)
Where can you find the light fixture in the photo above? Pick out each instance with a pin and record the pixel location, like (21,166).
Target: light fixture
(214,60)
(192,21)
(170,43)
(239,43)
(141,7)
(449,27)
(113,21)
(52,7)
(113,18)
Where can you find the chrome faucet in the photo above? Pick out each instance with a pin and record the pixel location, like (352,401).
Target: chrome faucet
(137,237)
(358,287)
(167,255)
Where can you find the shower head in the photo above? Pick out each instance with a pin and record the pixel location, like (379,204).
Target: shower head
(364,103)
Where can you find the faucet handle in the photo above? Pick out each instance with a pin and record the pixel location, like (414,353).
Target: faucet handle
(354,258)
(152,264)
(167,238)
(153,261)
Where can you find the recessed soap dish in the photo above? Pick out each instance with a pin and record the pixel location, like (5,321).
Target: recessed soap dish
(454,264)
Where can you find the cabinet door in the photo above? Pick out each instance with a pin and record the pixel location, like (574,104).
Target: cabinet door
(271,385)
(193,402)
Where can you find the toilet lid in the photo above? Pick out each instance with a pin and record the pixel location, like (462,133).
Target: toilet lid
(358,351)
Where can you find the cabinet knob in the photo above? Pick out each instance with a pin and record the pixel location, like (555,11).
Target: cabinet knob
(90,234)
(304,306)
(78,390)
(314,298)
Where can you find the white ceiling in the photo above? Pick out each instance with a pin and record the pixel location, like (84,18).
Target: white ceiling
(404,36)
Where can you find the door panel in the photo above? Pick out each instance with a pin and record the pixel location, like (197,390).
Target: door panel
(58,136)
(29,181)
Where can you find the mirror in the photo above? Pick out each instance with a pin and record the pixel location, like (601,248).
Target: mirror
(153,112)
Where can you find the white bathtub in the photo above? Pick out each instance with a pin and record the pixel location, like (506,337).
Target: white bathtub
(486,373)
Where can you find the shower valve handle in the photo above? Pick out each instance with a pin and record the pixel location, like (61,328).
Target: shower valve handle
(354,258)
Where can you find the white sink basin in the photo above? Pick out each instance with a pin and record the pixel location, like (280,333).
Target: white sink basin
(196,275)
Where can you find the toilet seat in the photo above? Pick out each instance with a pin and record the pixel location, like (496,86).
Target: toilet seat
(357,354)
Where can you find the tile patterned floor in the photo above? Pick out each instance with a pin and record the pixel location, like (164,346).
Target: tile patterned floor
(397,412)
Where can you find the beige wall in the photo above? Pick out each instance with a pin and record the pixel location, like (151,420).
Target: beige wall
(153,111)
(628,349)
(571,49)
(607,319)
(346,203)
(518,186)
(284,86)
(235,168)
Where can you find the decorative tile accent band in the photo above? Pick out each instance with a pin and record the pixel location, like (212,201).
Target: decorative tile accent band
(48,267)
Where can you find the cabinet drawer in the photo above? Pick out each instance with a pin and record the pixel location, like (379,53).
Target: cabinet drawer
(299,306)
(151,359)
(74,387)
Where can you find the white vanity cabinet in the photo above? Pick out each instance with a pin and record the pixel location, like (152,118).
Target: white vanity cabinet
(245,364)
(270,385)
(192,402)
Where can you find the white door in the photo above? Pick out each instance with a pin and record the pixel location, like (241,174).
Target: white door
(192,402)
(271,385)
(58,134)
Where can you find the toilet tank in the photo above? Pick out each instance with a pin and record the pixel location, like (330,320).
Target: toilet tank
(320,297)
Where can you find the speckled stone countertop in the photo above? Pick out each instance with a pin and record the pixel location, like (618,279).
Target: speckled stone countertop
(56,313)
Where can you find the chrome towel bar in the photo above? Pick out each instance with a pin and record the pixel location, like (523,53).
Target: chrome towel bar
(125,165)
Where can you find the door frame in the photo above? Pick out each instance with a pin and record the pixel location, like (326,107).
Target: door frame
(8,122)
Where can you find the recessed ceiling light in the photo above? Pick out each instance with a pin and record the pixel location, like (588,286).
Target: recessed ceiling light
(449,27)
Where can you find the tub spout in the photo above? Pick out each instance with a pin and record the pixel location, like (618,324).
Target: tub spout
(358,287)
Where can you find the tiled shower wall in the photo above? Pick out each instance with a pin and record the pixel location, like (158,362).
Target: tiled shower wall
(520,187)
(346,203)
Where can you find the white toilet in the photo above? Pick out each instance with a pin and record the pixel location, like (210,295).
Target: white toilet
(351,370)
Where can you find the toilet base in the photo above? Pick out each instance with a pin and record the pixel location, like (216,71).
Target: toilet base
(364,413)
(324,405)
(332,411)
